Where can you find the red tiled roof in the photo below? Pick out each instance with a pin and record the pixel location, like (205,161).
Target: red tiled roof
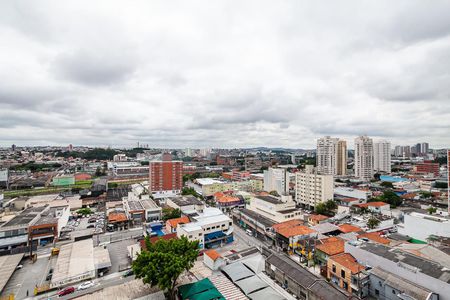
(154,239)
(373,236)
(213,254)
(287,224)
(318,217)
(174,222)
(296,230)
(331,246)
(348,261)
(373,204)
(227,199)
(346,228)
(115,217)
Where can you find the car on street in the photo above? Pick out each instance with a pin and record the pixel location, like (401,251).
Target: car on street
(85,285)
(249,232)
(19,267)
(66,291)
(128,273)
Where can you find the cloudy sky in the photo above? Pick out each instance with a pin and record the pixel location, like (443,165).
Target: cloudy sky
(223,73)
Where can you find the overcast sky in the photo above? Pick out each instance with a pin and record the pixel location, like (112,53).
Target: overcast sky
(223,73)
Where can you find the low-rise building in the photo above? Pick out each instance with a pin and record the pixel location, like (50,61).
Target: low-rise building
(421,226)
(213,260)
(277,209)
(172,224)
(347,192)
(375,207)
(186,204)
(409,267)
(345,271)
(210,228)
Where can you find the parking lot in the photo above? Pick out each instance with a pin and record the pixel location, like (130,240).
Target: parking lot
(119,255)
(27,278)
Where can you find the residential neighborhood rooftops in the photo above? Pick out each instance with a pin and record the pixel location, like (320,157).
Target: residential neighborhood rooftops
(270,199)
(287,224)
(318,218)
(372,204)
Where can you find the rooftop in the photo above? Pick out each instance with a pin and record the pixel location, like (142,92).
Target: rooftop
(25,217)
(213,254)
(185,201)
(207,181)
(346,228)
(332,246)
(372,204)
(295,231)
(270,199)
(257,217)
(375,237)
(425,266)
(174,222)
(287,224)
(348,261)
(318,218)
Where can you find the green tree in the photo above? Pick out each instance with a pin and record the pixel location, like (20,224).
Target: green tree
(373,223)
(390,197)
(440,185)
(330,205)
(321,209)
(387,184)
(163,262)
(170,213)
(274,193)
(189,191)
(425,194)
(431,210)
(84,211)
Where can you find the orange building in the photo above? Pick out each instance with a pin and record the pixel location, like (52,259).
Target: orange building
(342,269)
(166,175)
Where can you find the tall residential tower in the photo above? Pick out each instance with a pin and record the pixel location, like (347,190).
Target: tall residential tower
(382,156)
(331,156)
(364,158)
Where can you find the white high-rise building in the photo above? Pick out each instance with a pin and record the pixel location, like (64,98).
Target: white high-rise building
(276,179)
(382,156)
(331,156)
(312,188)
(364,158)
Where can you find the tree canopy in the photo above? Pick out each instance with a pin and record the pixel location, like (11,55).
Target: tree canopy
(390,197)
(170,213)
(387,184)
(164,261)
(326,208)
(373,223)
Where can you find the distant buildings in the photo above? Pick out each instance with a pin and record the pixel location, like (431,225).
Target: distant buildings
(382,156)
(166,176)
(402,151)
(120,157)
(331,156)
(276,179)
(427,167)
(4,178)
(364,158)
(312,188)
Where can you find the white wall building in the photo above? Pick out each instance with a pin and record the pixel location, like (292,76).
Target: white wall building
(312,188)
(364,158)
(276,179)
(331,156)
(352,193)
(421,226)
(382,156)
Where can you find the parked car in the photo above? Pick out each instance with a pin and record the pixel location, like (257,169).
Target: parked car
(66,291)
(128,273)
(85,285)
(90,226)
(19,267)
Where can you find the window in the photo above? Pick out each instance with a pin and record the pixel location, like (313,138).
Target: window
(200,234)
(334,269)
(230,223)
(393,292)
(190,236)
(377,292)
(342,273)
(379,283)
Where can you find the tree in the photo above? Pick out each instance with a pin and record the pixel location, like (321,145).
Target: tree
(99,172)
(170,213)
(274,193)
(390,197)
(84,211)
(431,210)
(330,205)
(387,184)
(321,208)
(425,194)
(373,223)
(163,262)
(189,191)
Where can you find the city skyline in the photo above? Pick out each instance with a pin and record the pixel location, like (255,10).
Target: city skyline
(222,75)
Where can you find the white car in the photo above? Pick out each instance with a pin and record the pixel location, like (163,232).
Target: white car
(85,285)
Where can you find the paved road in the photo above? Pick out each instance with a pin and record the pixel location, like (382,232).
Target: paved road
(240,234)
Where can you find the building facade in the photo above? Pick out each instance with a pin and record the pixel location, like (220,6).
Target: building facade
(166,176)
(312,188)
(382,156)
(331,156)
(276,179)
(364,158)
